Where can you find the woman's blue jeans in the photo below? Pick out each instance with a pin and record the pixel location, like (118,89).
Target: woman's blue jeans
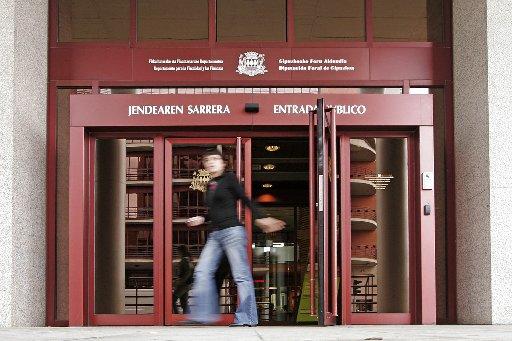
(205,306)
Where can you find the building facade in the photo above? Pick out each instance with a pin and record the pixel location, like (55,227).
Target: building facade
(394,186)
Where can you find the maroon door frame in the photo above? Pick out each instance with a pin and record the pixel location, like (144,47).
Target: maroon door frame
(80,200)
(422,301)
(242,146)
(123,319)
(323,213)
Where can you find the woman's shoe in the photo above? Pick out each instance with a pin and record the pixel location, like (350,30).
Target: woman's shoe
(190,323)
(242,325)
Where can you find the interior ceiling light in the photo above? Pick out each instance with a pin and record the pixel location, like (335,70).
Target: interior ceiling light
(381,181)
(266,185)
(272,148)
(269,166)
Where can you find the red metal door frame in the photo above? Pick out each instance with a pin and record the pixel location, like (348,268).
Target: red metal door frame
(324,212)
(420,145)
(79,310)
(156,318)
(241,144)
(421,238)
(422,289)
(78,165)
(426,284)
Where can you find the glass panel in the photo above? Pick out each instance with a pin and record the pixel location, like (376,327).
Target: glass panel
(251,20)
(280,260)
(408,20)
(379,225)
(188,194)
(93,20)
(123,240)
(385,91)
(172,19)
(340,20)
(181,91)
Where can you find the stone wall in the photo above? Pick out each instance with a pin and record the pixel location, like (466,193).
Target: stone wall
(23,80)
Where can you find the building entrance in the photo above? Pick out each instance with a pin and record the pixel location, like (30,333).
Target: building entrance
(358,203)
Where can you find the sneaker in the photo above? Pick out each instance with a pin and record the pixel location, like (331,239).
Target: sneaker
(191,323)
(242,325)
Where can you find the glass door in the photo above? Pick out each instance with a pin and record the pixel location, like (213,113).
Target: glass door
(125,230)
(367,259)
(378,229)
(185,187)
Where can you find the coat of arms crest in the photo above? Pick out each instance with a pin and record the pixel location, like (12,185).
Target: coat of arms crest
(251,64)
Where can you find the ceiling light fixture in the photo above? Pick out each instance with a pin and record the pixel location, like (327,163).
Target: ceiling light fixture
(266,185)
(272,148)
(269,166)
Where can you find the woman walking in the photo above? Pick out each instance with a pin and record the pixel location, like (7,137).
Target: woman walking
(227,236)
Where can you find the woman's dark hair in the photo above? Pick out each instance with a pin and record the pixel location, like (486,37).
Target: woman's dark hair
(212,151)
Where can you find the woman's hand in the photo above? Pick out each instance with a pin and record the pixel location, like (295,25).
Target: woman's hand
(195,221)
(269,224)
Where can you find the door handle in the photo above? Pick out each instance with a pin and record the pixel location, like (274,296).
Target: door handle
(427,209)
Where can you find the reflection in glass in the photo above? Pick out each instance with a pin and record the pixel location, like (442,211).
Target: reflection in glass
(408,20)
(172,20)
(187,91)
(183,281)
(355,91)
(379,224)
(181,91)
(93,20)
(188,194)
(255,20)
(280,260)
(339,20)
(123,229)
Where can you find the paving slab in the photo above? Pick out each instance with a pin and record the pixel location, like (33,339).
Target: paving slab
(309,333)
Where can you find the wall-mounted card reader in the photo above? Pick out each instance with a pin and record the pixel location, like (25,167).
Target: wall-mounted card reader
(427,209)
(427,180)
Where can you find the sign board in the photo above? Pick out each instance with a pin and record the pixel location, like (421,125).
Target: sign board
(229,110)
(252,64)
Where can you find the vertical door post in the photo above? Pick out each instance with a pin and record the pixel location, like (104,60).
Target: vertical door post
(427,278)
(77,233)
